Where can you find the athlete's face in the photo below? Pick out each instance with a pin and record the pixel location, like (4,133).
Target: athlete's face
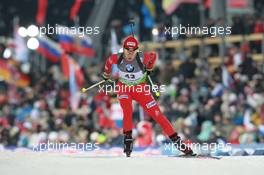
(130,54)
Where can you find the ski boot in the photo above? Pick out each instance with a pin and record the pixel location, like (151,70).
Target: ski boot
(128,143)
(178,143)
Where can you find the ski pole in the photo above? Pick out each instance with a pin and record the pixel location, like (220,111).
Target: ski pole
(157,93)
(96,84)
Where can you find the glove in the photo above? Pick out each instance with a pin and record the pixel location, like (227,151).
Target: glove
(152,59)
(106,77)
(149,72)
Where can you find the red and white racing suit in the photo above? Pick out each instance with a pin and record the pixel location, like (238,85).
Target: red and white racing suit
(130,74)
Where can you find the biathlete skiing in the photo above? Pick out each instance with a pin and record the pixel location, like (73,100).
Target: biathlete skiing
(133,70)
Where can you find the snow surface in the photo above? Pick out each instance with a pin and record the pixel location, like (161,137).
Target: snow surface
(54,163)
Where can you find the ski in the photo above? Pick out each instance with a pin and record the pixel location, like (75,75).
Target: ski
(198,157)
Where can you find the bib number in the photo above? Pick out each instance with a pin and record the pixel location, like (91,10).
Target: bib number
(130,76)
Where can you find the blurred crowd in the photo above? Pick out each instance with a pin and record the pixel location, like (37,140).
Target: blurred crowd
(204,103)
(218,104)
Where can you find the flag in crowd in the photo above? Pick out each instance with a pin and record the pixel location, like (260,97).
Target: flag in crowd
(73,42)
(20,48)
(75,9)
(74,88)
(4,70)
(42,10)
(66,42)
(169,6)
(10,73)
(65,65)
(41,13)
(53,51)
(149,13)
(83,46)
(49,49)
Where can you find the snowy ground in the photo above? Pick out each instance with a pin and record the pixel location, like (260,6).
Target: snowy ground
(34,163)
